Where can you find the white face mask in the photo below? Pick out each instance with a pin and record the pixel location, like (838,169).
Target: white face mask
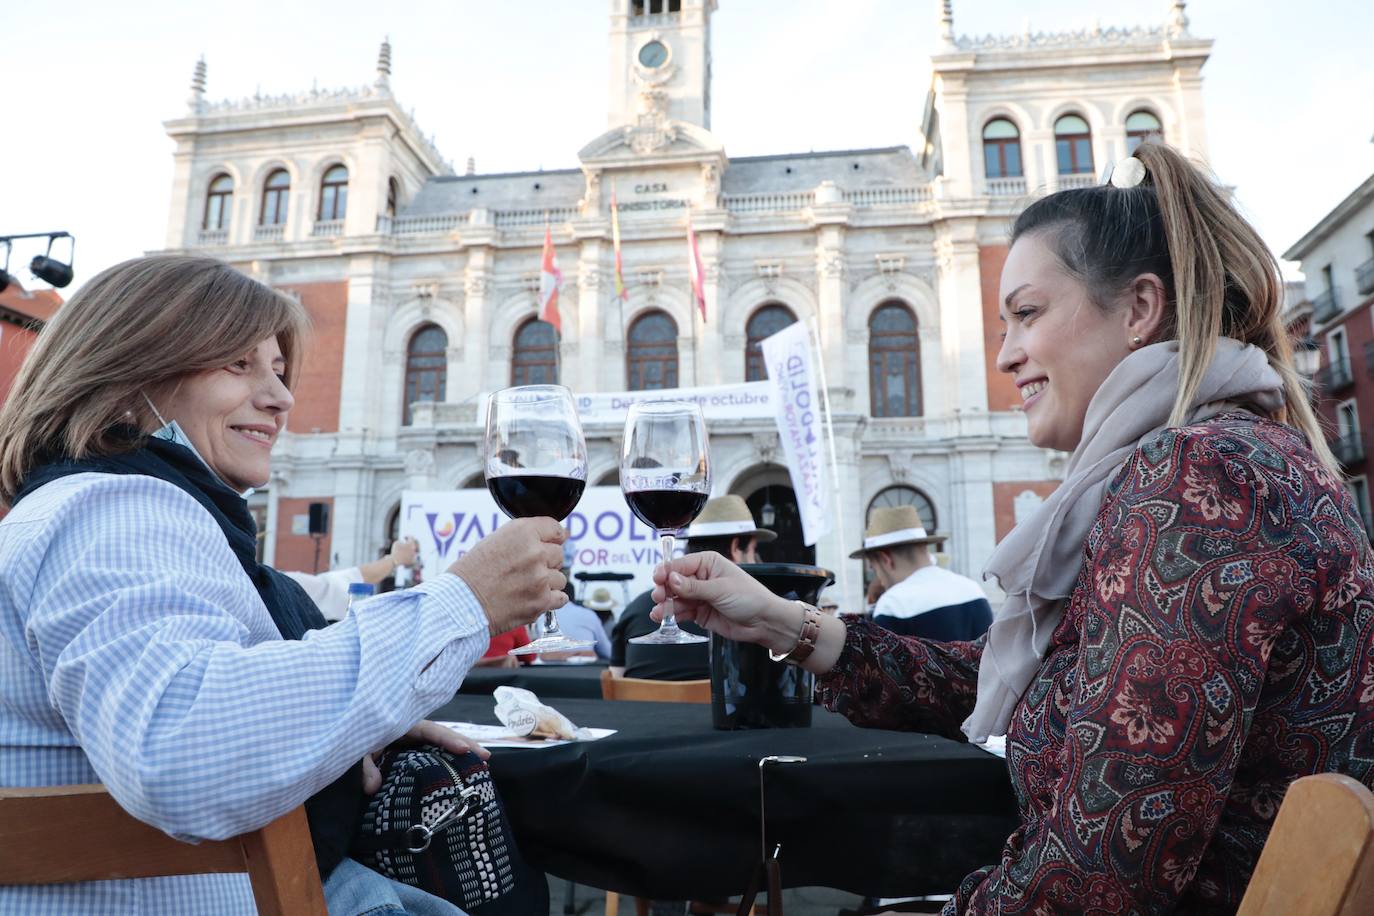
(172,432)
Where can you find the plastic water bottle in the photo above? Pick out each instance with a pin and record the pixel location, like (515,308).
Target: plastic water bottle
(359,592)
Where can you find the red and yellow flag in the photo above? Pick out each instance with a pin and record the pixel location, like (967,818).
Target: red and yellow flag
(620,291)
(550,279)
(694,270)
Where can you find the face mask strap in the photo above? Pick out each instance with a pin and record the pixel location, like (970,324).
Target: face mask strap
(153,408)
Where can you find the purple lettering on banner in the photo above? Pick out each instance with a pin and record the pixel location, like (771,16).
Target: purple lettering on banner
(634,528)
(475,525)
(619,525)
(573,521)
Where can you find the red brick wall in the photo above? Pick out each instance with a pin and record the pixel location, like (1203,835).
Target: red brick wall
(1002,394)
(317,390)
(15,340)
(296,552)
(1004,500)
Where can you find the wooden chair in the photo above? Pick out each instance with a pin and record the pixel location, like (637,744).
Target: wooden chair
(634,688)
(1319,858)
(57,834)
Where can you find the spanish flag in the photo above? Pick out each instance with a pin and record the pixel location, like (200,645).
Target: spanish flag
(620,291)
(694,270)
(550,279)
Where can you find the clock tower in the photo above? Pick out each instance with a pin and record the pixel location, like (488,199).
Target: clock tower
(660,58)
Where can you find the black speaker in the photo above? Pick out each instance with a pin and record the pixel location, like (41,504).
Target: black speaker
(319,518)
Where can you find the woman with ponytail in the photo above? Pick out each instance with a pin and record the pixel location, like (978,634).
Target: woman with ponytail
(1189,619)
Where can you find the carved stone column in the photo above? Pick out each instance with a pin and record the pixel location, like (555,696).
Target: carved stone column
(476,289)
(960,288)
(581,374)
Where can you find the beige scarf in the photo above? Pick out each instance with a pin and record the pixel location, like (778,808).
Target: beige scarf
(1038,562)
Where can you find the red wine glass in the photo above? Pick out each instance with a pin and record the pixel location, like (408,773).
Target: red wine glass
(665,474)
(536,465)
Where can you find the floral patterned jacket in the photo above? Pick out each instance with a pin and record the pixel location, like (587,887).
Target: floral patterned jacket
(1218,644)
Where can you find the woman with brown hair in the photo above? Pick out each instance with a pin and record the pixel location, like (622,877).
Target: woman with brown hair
(1189,619)
(141,643)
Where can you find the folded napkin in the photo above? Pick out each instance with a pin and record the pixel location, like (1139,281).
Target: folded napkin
(521,712)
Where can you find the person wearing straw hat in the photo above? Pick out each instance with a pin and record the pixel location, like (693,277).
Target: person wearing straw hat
(919,597)
(725,526)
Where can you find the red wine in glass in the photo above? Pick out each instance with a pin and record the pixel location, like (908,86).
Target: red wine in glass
(665,474)
(536,465)
(666,510)
(533,495)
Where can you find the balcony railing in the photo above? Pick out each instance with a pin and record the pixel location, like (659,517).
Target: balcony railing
(1348,449)
(268,233)
(1335,376)
(327,228)
(1006,187)
(1086,180)
(1325,307)
(1364,277)
(781,202)
(421,225)
(509,219)
(888,197)
(213,237)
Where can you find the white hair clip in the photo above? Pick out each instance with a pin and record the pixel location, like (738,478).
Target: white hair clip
(1127,173)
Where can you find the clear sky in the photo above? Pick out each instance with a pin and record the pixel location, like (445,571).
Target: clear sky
(521,84)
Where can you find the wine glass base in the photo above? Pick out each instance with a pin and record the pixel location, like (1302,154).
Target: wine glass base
(552,644)
(671,638)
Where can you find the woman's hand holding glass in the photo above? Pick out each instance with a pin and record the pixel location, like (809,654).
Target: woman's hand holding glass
(516,572)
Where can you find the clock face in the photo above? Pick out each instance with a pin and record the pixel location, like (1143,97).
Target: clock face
(653,54)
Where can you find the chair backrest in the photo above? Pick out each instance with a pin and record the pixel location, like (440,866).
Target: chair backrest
(1319,858)
(57,834)
(634,688)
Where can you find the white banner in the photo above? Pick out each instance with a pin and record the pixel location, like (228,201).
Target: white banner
(797,405)
(604,535)
(745,401)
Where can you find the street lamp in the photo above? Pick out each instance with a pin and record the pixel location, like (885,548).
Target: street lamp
(44,266)
(1307,356)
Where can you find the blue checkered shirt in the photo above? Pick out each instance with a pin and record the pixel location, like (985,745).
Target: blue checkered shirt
(135,652)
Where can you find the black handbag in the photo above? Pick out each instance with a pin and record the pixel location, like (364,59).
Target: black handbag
(437,823)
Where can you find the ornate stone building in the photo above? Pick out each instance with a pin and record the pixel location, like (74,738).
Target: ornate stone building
(422,282)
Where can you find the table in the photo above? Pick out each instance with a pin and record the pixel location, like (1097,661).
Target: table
(668,807)
(548,681)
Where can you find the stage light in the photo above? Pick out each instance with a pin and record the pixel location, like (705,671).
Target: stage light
(44,266)
(51,271)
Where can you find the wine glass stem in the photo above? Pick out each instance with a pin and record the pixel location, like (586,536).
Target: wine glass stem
(667,541)
(551,624)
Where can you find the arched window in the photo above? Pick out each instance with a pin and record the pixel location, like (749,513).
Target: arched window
(393,196)
(534,360)
(1073,144)
(1001,149)
(217,200)
(275,191)
(1140,126)
(651,352)
(426,368)
(765,322)
(894,362)
(334,193)
(905,496)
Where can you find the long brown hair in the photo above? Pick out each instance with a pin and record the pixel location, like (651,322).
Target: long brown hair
(1220,277)
(133,328)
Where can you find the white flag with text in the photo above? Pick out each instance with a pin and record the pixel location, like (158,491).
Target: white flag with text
(792,370)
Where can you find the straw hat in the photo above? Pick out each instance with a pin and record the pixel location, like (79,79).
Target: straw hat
(888,527)
(600,600)
(727,516)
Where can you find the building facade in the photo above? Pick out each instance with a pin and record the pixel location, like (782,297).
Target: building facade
(1337,257)
(422,282)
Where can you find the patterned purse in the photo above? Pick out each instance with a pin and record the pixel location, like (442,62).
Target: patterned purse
(437,823)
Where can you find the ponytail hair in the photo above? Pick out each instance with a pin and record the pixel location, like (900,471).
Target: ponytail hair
(1220,278)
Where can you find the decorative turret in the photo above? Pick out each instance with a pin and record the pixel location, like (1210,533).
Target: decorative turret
(383,80)
(1178,19)
(196,101)
(947,23)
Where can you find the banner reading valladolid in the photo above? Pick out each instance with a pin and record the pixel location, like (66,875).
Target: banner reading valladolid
(797,406)
(604,535)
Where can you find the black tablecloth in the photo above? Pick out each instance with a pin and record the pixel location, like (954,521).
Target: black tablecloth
(669,807)
(547,681)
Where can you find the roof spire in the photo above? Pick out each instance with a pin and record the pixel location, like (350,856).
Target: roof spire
(383,80)
(947,23)
(1178,19)
(196,101)
(472,166)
